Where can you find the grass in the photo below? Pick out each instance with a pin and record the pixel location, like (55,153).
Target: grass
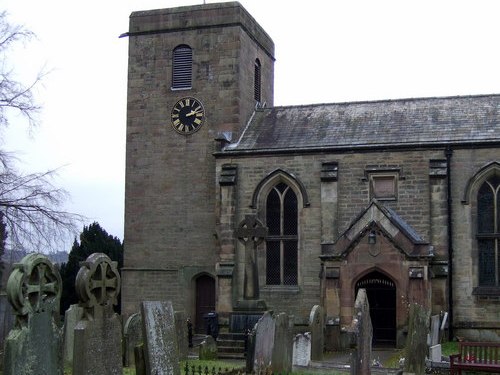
(393,362)
(447,348)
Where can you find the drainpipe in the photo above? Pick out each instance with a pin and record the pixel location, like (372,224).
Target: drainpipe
(449,153)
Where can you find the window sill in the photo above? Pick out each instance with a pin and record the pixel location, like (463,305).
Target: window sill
(288,289)
(487,291)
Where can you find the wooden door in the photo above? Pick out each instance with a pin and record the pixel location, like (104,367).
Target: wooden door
(205,300)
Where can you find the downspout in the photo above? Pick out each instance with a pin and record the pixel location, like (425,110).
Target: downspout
(449,153)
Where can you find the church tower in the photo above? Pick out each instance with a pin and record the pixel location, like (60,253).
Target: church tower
(195,76)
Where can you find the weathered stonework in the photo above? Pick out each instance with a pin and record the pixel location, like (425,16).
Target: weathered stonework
(185,195)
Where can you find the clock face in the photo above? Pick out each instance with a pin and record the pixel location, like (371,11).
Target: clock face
(187,115)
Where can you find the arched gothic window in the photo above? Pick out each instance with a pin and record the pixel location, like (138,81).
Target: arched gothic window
(257,81)
(488,231)
(282,239)
(182,67)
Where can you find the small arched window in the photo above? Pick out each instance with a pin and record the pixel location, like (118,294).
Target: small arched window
(182,67)
(488,231)
(257,81)
(282,239)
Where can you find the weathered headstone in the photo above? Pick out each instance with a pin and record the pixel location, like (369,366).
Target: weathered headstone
(71,317)
(208,349)
(98,334)
(283,345)
(435,332)
(34,346)
(250,350)
(302,349)
(161,352)
(361,357)
(182,334)
(435,353)
(264,343)
(316,327)
(416,342)
(132,336)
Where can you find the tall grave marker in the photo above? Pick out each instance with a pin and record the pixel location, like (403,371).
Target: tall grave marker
(34,346)
(98,334)
(161,351)
(250,232)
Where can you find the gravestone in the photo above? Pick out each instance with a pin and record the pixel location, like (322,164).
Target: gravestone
(435,331)
(132,336)
(71,317)
(250,350)
(182,334)
(416,341)
(208,349)
(435,353)
(98,334)
(34,346)
(283,345)
(361,357)
(316,327)
(302,349)
(264,343)
(161,352)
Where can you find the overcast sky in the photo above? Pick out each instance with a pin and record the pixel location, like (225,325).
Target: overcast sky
(326,51)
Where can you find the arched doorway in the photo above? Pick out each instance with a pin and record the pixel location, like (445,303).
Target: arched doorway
(381,293)
(205,300)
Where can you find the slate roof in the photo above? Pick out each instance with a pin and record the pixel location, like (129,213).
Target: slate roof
(378,124)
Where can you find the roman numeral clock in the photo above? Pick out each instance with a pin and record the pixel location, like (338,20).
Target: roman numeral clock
(187,115)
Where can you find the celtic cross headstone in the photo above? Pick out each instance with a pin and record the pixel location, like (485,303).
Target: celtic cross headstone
(34,346)
(251,233)
(98,334)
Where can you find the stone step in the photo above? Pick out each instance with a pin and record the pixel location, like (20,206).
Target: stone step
(234,356)
(231,346)
(232,343)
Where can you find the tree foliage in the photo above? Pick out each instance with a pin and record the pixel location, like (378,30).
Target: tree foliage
(93,239)
(29,202)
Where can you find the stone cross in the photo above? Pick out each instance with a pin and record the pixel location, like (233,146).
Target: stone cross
(98,334)
(251,233)
(35,344)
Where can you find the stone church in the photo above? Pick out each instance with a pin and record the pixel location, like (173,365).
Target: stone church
(235,206)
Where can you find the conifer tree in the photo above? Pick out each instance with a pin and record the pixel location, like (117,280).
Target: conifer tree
(93,239)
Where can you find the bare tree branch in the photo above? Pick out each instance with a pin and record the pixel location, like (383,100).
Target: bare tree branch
(30,204)
(13,94)
(31,207)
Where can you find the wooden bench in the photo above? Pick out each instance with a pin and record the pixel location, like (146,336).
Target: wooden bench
(476,356)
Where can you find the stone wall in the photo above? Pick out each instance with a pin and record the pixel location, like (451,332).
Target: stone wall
(170,178)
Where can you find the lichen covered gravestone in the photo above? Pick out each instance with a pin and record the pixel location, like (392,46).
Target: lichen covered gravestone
(71,317)
(416,342)
(132,337)
(302,349)
(97,348)
(160,339)
(317,329)
(283,345)
(361,358)
(264,343)
(34,346)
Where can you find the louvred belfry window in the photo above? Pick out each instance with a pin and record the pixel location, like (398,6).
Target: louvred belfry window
(282,239)
(488,234)
(182,67)
(257,81)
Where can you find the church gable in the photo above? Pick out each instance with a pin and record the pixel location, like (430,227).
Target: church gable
(378,220)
